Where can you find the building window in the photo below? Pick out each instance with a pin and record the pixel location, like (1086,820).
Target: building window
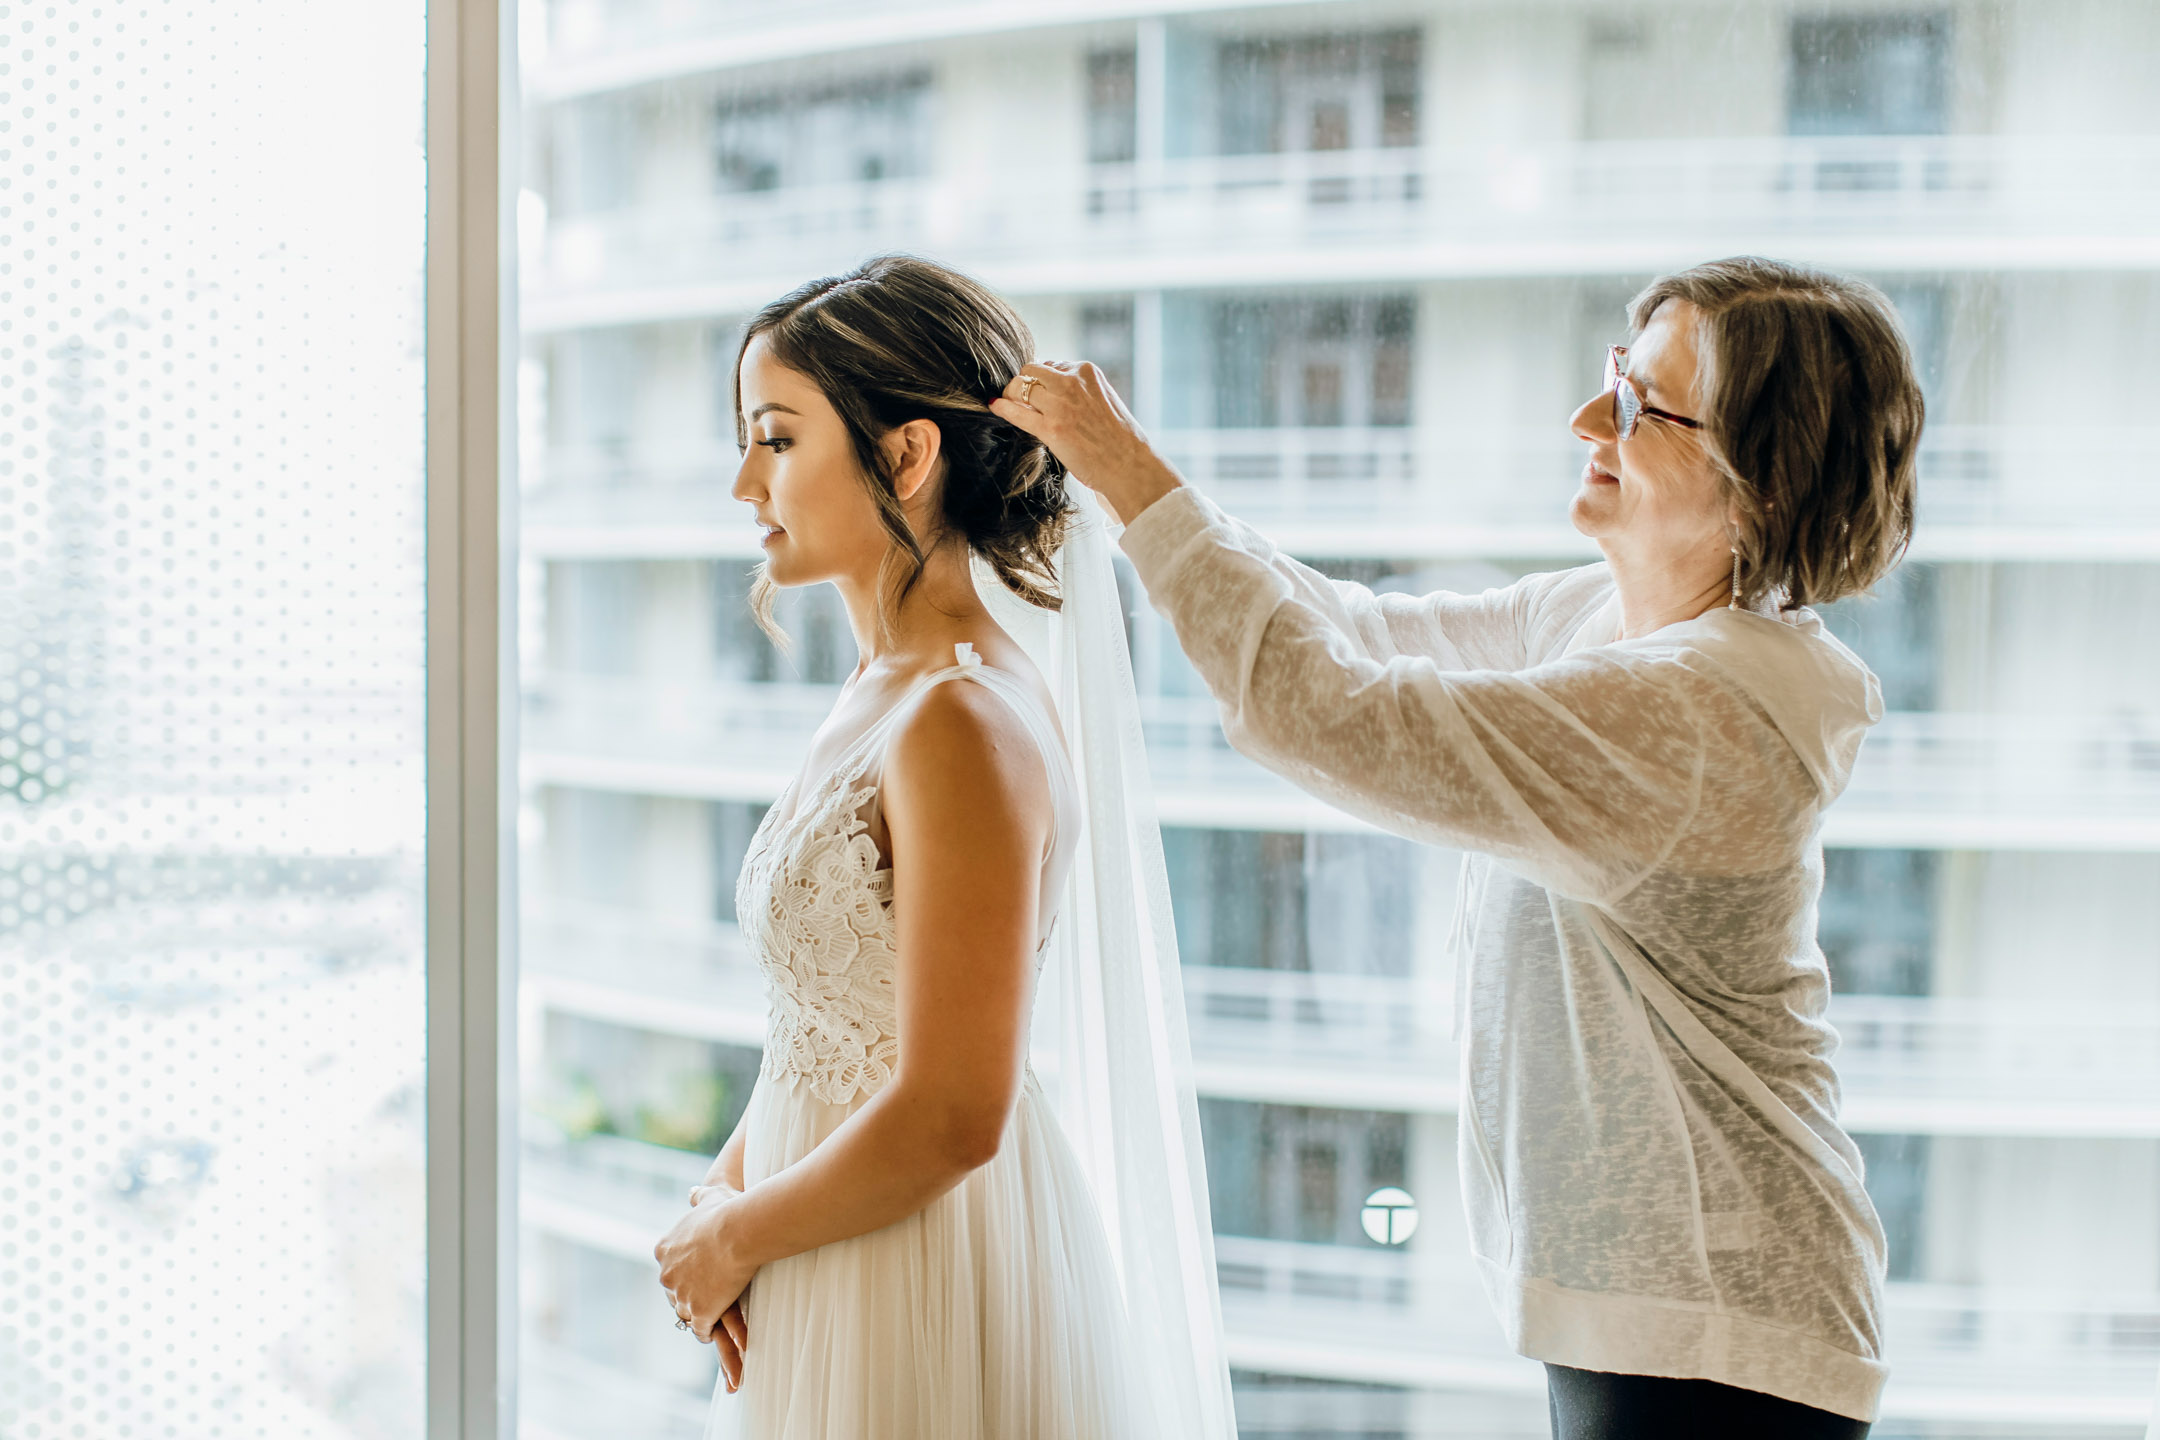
(1877,921)
(1293,1172)
(1882,74)
(1275,900)
(1897,1181)
(821,646)
(1319,362)
(1897,630)
(1106,337)
(1113,125)
(1316,93)
(862,130)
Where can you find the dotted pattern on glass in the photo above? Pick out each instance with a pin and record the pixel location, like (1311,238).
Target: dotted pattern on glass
(211,668)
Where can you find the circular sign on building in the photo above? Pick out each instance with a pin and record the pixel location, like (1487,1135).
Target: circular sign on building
(1390,1216)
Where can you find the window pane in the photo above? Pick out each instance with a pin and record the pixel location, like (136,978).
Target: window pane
(211,687)
(1355,266)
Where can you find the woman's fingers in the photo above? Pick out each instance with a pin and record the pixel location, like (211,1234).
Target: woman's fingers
(1035,383)
(730,1359)
(731,1337)
(1024,417)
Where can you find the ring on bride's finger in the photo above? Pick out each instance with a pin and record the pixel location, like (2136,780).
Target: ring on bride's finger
(1027,388)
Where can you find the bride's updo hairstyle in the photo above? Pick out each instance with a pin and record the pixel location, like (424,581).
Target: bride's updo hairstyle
(899,338)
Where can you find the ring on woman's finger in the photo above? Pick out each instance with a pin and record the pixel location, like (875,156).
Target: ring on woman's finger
(681,1324)
(1027,385)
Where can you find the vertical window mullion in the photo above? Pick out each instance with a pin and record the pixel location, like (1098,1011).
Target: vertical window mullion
(471,1065)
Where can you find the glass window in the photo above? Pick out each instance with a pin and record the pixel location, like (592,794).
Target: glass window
(1112,116)
(212,685)
(872,128)
(1871,74)
(1355,266)
(1326,91)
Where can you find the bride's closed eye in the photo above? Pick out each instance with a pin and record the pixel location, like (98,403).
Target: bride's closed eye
(777,444)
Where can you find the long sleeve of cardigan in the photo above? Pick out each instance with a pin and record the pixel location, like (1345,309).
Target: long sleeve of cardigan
(1422,716)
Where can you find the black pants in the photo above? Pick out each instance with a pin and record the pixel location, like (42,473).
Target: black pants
(1590,1405)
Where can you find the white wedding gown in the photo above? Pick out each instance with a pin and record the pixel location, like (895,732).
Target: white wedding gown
(995,1313)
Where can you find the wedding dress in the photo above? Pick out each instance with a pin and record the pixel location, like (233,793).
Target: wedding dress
(1066,1289)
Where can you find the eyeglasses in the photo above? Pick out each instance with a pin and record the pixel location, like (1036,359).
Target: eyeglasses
(1628,403)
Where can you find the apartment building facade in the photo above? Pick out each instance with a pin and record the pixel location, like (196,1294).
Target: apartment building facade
(1354,264)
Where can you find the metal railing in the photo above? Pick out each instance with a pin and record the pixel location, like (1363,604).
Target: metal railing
(1544,205)
(584,30)
(2022,1348)
(1944,768)
(1923,1063)
(1948,766)
(1419,1315)
(1402,480)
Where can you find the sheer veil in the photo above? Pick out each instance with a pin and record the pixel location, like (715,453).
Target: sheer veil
(1111,1039)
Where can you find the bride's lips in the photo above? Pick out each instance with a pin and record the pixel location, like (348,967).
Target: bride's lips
(1591,475)
(772,533)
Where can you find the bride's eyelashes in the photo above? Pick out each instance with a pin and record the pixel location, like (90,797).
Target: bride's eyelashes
(777,444)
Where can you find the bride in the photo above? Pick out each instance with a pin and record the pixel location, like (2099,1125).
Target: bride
(910,1234)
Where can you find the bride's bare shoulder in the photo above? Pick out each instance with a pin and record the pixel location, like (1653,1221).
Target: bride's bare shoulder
(963,753)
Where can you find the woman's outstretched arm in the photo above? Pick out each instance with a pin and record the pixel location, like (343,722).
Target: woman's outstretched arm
(1581,773)
(1088,427)
(967,799)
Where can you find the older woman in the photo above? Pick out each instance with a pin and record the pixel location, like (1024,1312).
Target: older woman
(1638,755)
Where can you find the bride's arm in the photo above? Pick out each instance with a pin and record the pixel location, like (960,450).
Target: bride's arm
(968,804)
(726,1167)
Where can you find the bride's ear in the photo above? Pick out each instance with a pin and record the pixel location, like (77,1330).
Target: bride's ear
(911,453)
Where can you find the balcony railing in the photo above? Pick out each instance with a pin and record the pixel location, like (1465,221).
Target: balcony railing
(1419,1318)
(1377,214)
(578,33)
(1955,1352)
(1402,491)
(1924,779)
(1906,1064)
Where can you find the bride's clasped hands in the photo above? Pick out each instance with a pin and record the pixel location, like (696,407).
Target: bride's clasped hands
(705,1275)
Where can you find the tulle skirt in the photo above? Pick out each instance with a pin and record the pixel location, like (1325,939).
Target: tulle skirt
(992,1314)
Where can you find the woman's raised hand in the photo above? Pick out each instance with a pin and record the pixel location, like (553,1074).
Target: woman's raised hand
(1070,407)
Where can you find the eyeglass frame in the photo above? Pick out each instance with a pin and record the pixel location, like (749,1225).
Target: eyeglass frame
(1628,413)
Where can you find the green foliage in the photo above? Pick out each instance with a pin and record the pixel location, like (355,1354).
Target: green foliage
(690,1117)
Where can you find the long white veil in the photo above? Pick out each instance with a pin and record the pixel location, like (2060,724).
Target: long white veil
(1112,1013)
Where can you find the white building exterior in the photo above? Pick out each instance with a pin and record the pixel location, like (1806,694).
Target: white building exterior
(1354,263)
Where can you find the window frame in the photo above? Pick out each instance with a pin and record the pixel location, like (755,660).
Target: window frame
(471,1073)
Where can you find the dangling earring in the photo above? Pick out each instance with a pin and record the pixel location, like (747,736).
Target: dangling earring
(1734,604)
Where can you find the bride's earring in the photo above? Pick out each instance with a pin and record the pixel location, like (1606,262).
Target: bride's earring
(1735,602)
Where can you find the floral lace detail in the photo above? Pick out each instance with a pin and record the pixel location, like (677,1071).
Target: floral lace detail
(816,910)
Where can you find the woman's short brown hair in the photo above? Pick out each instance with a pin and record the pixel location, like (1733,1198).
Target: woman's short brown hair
(1812,413)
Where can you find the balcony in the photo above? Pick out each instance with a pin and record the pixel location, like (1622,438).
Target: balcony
(1956,1353)
(1418,1318)
(584,47)
(1925,780)
(1404,492)
(1933,1065)
(1362,216)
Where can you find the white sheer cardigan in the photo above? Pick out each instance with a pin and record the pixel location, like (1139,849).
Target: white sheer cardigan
(1651,1160)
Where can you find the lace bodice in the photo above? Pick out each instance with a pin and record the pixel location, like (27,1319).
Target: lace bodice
(815,903)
